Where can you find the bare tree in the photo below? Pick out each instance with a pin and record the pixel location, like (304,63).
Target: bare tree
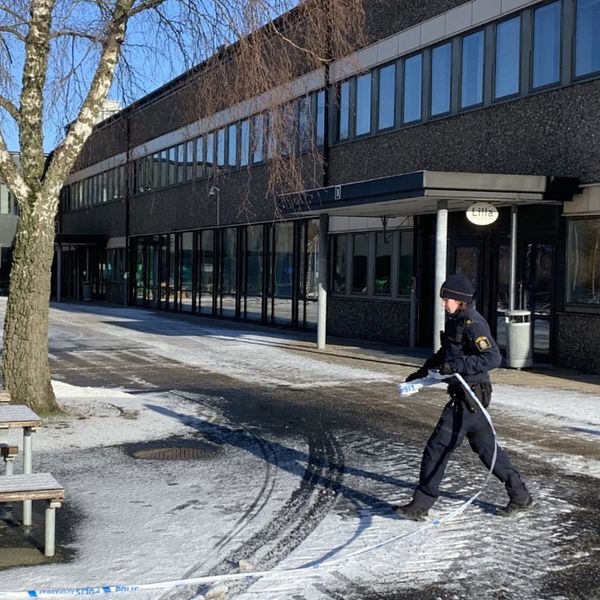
(58,62)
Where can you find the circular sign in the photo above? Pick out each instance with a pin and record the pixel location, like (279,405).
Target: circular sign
(482,213)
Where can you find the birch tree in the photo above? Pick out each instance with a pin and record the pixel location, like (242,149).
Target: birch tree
(59,59)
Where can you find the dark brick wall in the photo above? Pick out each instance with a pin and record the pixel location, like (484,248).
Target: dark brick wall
(578,342)
(386,17)
(367,319)
(106,219)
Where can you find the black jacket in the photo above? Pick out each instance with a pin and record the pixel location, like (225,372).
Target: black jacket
(468,346)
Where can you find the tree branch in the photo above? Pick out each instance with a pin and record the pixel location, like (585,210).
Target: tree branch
(10,173)
(10,108)
(65,155)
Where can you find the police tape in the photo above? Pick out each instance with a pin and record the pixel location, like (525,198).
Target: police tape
(302,570)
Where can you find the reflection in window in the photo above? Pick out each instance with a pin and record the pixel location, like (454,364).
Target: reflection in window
(187,252)
(172,165)
(244,142)
(412,88)
(441,76)
(508,54)
(254,271)
(200,157)
(386,107)
(232,146)
(584,261)
(405,263)
(587,41)
(221,147)
(363,104)
(383,262)
(258,138)
(546,45)
(210,150)
(181,163)
(360,253)
(189,153)
(344,111)
(304,124)
(338,272)
(206,268)
(472,70)
(320,124)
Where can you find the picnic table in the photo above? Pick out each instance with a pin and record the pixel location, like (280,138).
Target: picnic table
(15,416)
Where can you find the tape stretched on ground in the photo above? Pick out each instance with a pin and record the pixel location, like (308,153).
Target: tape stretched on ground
(211,579)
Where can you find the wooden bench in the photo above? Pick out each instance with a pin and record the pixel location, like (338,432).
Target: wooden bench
(35,486)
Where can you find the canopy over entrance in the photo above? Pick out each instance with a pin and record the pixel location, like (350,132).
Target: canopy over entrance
(419,193)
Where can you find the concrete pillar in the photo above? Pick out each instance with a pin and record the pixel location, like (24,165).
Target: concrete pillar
(58,271)
(441,245)
(512,280)
(322,282)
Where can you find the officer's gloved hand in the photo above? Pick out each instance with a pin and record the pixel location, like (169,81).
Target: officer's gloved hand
(447,369)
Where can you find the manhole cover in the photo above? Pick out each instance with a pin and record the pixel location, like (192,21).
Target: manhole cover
(181,453)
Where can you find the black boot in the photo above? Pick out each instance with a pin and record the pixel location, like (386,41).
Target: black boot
(513,507)
(411,511)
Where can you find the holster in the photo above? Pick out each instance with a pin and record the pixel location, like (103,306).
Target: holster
(483,391)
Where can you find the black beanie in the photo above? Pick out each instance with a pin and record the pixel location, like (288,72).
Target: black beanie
(457,287)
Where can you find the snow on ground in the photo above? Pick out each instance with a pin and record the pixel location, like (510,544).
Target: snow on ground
(138,515)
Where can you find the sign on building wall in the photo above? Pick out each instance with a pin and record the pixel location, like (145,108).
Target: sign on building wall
(482,213)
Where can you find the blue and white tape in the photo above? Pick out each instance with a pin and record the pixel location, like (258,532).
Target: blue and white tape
(212,579)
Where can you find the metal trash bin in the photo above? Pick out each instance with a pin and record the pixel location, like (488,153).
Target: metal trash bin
(518,339)
(87,291)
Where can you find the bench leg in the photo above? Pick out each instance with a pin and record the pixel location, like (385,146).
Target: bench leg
(50,528)
(9,460)
(27,469)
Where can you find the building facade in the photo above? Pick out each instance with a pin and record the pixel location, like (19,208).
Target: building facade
(449,104)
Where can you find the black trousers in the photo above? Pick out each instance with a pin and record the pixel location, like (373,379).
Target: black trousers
(457,422)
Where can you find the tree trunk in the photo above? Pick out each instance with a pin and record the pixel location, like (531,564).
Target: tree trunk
(25,357)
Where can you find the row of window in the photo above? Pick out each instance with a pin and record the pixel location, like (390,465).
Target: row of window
(378,263)
(294,128)
(257,272)
(522,54)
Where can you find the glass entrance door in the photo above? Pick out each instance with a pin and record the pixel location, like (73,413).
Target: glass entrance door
(536,292)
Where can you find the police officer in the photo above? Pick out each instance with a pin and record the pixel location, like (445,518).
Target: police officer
(468,348)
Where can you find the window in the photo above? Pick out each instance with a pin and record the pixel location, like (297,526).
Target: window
(441,77)
(244,142)
(304,124)
(405,262)
(386,97)
(221,147)
(164,171)
(343,125)
(339,259)
(363,104)
(232,145)
(360,254)
(258,138)
(412,88)
(508,55)
(172,165)
(584,261)
(587,38)
(320,122)
(181,163)
(546,45)
(472,70)
(383,262)
(200,157)
(210,151)
(189,154)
